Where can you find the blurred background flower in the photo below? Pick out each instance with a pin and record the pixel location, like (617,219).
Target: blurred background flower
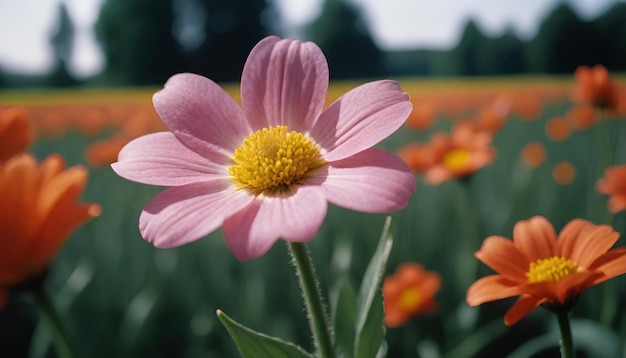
(409,292)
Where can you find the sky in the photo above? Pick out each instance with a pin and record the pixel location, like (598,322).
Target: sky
(25,25)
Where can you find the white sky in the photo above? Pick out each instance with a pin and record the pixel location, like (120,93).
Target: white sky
(25,25)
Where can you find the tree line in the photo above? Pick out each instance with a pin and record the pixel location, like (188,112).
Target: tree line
(146,41)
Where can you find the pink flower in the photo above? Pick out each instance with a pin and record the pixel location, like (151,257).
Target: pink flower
(267,170)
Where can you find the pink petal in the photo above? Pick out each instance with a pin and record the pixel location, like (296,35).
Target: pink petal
(183,214)
(284,82)
(361,118)
(201,114)
(250,233)
(160,159)
(373,181)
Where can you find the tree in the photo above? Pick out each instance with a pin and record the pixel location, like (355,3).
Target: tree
(231,29)
(344,37)
(563,42)
(611,26)
(137,40)
(501,55)
(468,53)
(62,43)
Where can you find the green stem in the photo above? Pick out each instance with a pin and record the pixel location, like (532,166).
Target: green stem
(567,344)
(52,320)
(313,299)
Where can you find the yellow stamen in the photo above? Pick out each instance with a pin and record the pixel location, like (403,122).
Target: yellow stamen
(456,159)
(272,159)
(552,269)
(409,299)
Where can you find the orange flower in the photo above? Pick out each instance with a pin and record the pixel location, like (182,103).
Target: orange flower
(492,118)
(593,86)
(528,106)
(422,116)
(15,132)
(614,184)
(409,292)
(558,129)
(582,117)
(104,152)
(543,269)
(417,156)
(564,173)
(38,211)
(533,154)
(458,154)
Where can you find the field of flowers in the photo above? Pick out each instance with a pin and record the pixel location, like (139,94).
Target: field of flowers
(486,153)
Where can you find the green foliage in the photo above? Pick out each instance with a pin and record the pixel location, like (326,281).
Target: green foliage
(253,344)
(370,331)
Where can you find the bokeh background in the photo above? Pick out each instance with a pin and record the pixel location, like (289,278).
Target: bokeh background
(86,71)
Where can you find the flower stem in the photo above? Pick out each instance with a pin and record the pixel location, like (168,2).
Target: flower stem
(52,320)
(567,344)
(313,299)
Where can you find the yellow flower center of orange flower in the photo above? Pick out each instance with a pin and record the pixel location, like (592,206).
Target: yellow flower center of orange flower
(409,299)
(272,159)
(552,269)
(456,159)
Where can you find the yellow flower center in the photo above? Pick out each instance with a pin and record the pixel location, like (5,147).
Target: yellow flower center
(409,299)
(272,159)
(456,159)
(552,269)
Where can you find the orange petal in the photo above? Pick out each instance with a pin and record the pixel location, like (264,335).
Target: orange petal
(617,204)
(592,244)
(535,238)
(522,307)
(611,264)
(563,172)
(533,154)
(395,318)
(568,237)
(558,129)
(16,134)
(502,256)
(430,284)
(491,288)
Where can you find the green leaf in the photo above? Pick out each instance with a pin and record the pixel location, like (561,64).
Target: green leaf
(370,331)
(254,344)
(343,306)
(590,337)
